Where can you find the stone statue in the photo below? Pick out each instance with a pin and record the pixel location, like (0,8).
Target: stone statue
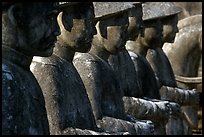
(150,38)
(135,93)
(160,63)
(189,9)
(187,46)
(184,55)
(28,29)
(66,99)
(102,85)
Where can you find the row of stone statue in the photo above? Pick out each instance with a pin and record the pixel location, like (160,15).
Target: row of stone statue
(91,69)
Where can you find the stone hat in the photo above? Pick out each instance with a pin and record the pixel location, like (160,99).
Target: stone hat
(5,5)
(153,10)
(106,9)
(136,3)
(63,5)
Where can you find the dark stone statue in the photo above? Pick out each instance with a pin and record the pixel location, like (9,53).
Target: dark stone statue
(68,107)
(28,29)
(101,83)
(150,38)
(123,64)
(161,65)
(140,82)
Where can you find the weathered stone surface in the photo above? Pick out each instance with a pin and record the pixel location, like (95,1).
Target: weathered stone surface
(115,125)
(26,31)
(181,96)
(66,99)
(153,10)
(146,77)
(65,96)
(189,9)
(162,67)
(184,55)
(23,106)
(106,9)
(125,71)
(155,110)
(100,81)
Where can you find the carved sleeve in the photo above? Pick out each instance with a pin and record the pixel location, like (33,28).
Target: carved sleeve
(180,96)
(133,128)
(143,109)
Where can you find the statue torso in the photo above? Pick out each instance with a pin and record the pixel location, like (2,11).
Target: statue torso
(65,95)
(107,87)
(22,102)
(146,77)
(161,66)
(125,70)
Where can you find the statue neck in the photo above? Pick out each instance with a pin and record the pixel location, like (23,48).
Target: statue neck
(100,52)
(136,47)
(16,57)
(64,52)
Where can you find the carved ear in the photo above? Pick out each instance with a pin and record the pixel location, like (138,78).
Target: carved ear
(15,15)
(67,22)
(102,29)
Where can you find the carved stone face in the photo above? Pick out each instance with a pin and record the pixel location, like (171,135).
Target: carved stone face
(77,27)
(135,22)
(169,28)
(37,28)
(112,32)
(152,33)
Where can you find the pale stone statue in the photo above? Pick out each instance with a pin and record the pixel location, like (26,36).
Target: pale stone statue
(184,55)
(189,9)
(28,29)
(101,83)
(135,93)
(185,52)
(161,65)
(67,103)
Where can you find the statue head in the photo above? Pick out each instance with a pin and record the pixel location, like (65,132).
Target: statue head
(30,28)
(135,21)
(151,37)
(77,26)
(112,24)
(169,20)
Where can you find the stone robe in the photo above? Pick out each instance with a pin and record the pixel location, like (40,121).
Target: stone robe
(149,82)
(105,94)
(146,76)
(162,68)
(23,105)
(66,99)
(135,89)
(125,71)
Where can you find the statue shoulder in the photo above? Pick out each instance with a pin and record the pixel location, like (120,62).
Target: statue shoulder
(6,72)
(132,54)
(84,58)
(52,60)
